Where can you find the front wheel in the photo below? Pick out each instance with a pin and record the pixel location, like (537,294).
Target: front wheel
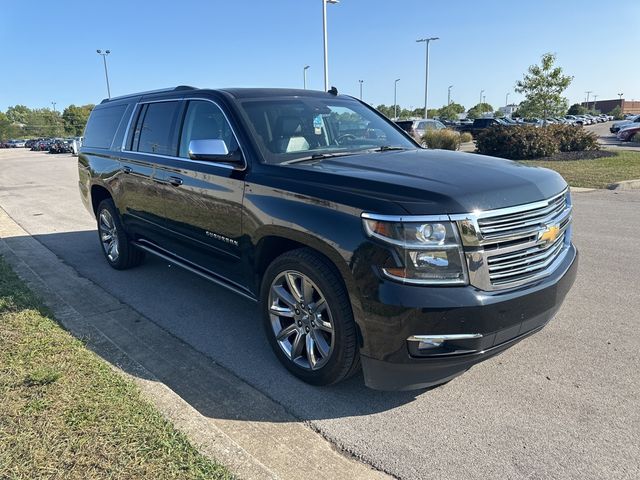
(308,318)
(117,248)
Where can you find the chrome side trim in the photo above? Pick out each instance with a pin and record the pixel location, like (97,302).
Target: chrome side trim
(444,337)
(126,132)
(171,157)
(405,218)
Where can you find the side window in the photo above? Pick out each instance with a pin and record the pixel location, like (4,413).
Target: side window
(156,131)
(102,126)
(205,121)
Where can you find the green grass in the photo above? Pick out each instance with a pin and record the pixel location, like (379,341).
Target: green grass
(65,413)
(596,173)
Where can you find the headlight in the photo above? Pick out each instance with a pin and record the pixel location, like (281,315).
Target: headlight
(430,251)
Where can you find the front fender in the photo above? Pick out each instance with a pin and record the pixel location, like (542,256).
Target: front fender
(332,229)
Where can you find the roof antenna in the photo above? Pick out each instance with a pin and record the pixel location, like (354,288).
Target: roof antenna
(333,91)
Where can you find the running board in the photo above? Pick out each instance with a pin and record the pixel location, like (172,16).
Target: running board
(193,269)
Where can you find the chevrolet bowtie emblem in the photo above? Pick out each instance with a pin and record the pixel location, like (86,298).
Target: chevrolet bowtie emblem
(549,234)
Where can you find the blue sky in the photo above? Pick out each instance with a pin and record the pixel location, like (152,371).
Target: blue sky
(48,47)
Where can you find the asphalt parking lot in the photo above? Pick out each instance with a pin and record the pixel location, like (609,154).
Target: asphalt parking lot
(561,404)
(608,140)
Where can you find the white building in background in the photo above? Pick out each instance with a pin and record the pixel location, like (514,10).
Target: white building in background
(509,109)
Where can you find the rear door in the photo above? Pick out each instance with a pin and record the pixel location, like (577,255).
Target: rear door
(153,134)
(203,200)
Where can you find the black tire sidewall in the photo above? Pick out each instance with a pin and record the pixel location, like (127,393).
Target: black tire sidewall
(331,285)
(125,249)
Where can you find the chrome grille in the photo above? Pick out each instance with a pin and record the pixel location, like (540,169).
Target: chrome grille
(513,246)
(521,223)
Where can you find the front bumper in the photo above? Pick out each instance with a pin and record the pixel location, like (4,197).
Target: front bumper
(503,318)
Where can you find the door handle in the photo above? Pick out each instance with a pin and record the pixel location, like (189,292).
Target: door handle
(126,169)
(175,181)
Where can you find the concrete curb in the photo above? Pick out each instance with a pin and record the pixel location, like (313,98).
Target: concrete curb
(582,189)
(625,185)
(225,418)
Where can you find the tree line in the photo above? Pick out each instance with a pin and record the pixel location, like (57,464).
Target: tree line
(22,122)
(542,85)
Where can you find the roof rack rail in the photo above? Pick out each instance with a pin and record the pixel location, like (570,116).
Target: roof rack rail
(149,92)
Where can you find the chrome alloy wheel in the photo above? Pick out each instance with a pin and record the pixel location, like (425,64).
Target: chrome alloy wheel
(301,320)
(108,235)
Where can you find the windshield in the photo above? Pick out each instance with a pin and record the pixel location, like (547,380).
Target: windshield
(290,129)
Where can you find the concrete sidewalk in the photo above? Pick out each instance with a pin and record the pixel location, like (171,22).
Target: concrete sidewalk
(224,417)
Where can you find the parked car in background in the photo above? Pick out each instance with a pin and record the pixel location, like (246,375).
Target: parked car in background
(406,125)
(616,126)
(536,122)
(480,124)
(60,145)
(421,127)
(13,143)
(42,145)
(359,250)
(626,133)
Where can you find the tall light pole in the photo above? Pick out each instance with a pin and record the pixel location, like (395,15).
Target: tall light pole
(588,92)
(426,71)
(106,72)
(324,39)
(449,94)
(55,119)
(304,76)
(620,95)
(481,94)
(595,97)
(360,82)
(506,99)
(395,98)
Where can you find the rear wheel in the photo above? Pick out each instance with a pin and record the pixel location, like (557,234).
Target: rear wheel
(120,253)
(308,318)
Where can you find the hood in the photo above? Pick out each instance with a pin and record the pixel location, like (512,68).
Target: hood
(426,182)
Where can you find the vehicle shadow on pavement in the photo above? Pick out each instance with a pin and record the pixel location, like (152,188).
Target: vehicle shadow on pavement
(159,322)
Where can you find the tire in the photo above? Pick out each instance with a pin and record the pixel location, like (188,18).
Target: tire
(118,250)
(329,323)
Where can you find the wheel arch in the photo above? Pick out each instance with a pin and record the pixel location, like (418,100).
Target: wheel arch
(276,241)
(98,194)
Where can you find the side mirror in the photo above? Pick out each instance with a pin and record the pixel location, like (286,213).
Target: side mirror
(213,150)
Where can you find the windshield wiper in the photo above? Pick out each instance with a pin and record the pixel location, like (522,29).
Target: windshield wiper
(318,156)
(386,148)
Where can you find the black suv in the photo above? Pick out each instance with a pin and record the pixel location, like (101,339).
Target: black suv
(362,248)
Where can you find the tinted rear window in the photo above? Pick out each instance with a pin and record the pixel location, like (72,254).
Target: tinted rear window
(158,130)
(102,126)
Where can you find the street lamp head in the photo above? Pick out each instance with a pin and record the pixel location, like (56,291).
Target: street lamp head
(306,67)
(397,79)
(99,51)
(107,52)
(427,39)
(332,1)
